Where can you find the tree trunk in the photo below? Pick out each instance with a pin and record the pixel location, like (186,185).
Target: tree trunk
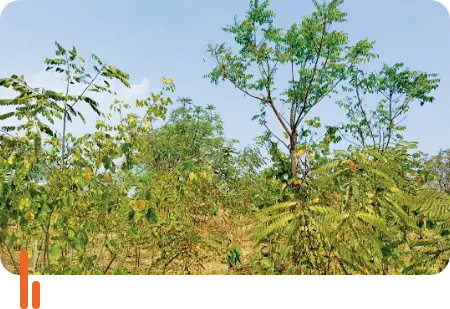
(63,158)
(294,172)
(292,148)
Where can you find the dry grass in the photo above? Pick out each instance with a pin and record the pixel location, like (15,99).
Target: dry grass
(222,229)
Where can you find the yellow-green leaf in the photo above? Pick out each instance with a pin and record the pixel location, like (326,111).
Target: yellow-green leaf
(192,176)
(24,203)
(71,234)
(11,159)
(301,152)
(87,174)
(55,252)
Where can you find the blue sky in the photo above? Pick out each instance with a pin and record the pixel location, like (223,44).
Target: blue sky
(151,39)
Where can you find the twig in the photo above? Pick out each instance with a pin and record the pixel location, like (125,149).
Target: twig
(12,258)
(35,256)
(109,264)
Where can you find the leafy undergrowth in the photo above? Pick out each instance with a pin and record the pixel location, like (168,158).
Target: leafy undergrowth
(224,231)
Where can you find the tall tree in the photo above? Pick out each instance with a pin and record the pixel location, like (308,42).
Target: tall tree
(317,55)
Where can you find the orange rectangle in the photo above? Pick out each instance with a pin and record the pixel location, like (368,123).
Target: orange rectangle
(24,280)
(36,292)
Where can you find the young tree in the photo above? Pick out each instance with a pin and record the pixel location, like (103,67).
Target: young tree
(397,89)
(192,133)
(38,104)
(318,56)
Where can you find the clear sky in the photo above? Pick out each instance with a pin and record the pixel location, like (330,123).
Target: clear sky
(151,39)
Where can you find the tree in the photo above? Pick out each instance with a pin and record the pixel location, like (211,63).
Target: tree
(399,88)
(38,104)
(439,167)
(192,145)
(192,133)
(61,212)
(318,56)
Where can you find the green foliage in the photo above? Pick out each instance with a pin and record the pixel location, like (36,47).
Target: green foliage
(162,190)
(343,212)
(127,189)
(318,57)
(39,105)
(361,215)
(234,256)
(398,88)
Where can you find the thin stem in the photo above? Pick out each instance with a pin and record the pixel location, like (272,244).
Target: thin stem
(12,259)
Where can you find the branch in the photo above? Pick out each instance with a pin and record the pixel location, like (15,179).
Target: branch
(391,123)
(280,118)
(264,101)
(300,79)
(400,121)
(316,64)
(279,139)
(68,75)
(343,136)
(12,258)
(364,112)
(267,86)
(270,101)
(85,89)
(6,133)
(243,90)
(291,119)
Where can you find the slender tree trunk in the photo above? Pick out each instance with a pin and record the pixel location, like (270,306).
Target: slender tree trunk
(63,158)
(65,115)
(46,257)
(292,148)
(35,256)
(294,166)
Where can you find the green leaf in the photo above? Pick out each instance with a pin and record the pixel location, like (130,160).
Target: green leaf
(371,219)
(71,234)
(70,199)
(112,243)
(188,164)
(12,240)
(192,176)
(107,162)
(131,215)
(151,216)
(55,252)
(132,231)
(79,245)
(213,211)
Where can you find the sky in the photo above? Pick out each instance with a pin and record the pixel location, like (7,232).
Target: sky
(153,39)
